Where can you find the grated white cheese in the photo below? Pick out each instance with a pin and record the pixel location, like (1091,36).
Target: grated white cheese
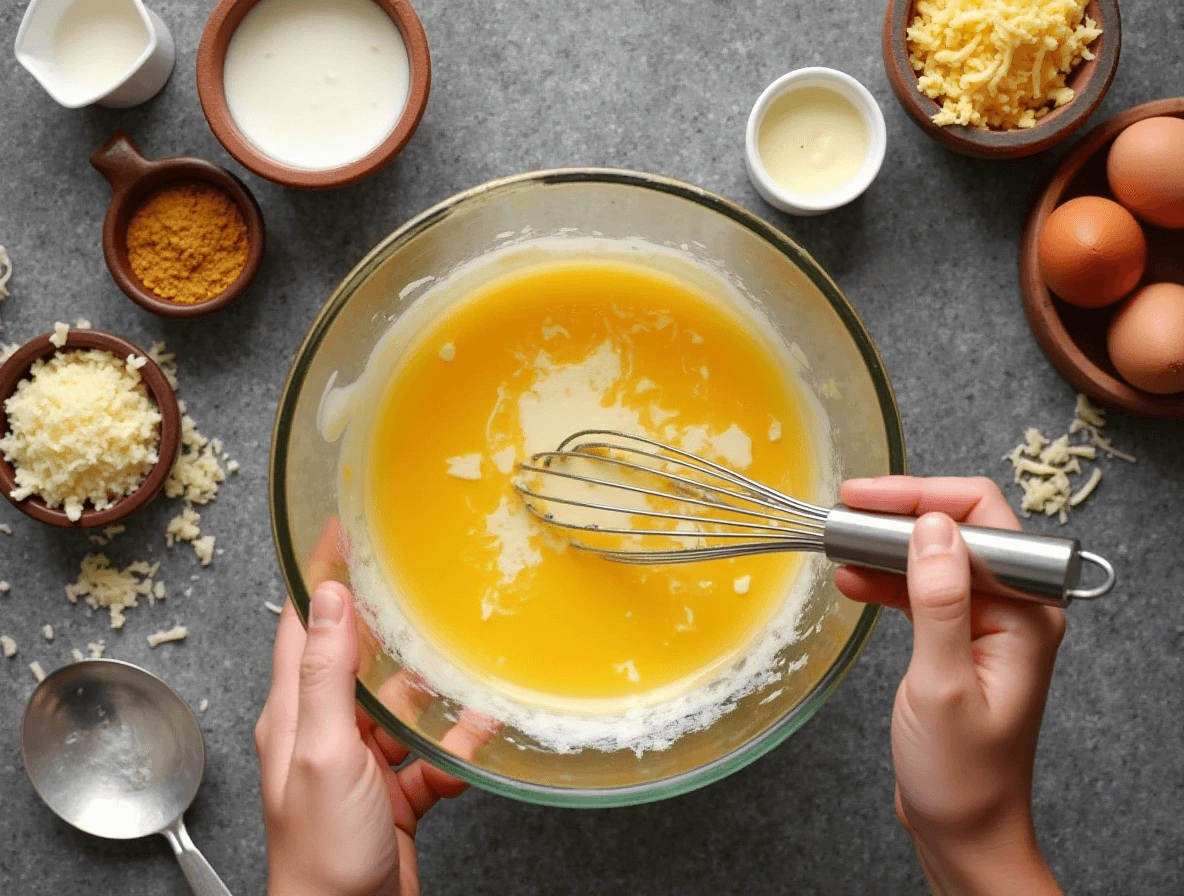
(8,646)
(998,63)
(273,608)
(82,428)
(448,352)
(204,548)
(5,272)
(59,335)
(742,584)
(5,587)
(5,529)
(77,654)
(47,632)
(176,633)
(96,649)
(203,706)
(38,672)
(184,527)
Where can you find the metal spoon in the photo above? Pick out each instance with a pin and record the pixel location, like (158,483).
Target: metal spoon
(115,752)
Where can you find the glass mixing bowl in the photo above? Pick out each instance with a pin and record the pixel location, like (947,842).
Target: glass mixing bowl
(844,371)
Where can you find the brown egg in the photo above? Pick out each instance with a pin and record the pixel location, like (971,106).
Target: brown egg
(1146,339)
(1146,170)
(1092,251)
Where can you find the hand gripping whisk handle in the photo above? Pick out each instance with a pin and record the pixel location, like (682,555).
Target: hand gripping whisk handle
(1041,568)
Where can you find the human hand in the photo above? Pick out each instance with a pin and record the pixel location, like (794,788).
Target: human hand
(967,714)
(340,821)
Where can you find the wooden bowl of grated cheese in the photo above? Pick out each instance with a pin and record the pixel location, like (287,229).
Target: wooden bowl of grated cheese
(1001,80)
(116,422)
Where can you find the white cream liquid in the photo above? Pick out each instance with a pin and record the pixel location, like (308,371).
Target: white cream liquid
(98,41)
(316,84)
(812,140)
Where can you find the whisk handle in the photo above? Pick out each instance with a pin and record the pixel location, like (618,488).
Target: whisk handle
(1041,568)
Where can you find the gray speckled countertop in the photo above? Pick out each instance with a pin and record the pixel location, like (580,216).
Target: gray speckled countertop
(928,257)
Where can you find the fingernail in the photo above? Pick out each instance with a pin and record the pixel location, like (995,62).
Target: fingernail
(933,534)
(327,606)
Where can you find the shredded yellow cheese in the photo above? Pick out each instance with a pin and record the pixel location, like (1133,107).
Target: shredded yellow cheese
(998,64)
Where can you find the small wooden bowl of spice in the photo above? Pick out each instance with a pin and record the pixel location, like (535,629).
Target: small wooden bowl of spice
(89,428)
(182,237)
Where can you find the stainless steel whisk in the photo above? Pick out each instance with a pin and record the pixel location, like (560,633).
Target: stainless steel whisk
(581,486)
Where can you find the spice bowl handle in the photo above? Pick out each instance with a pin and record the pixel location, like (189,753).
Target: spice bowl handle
(120,161)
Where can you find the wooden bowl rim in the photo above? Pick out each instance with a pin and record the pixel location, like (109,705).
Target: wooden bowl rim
(1050,130)
(211,58)
(1043,316)
(16,368)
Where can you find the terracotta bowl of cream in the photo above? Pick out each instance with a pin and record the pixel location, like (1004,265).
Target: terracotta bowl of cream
(16,368)
(1090,80)
(211,61)
(132,177)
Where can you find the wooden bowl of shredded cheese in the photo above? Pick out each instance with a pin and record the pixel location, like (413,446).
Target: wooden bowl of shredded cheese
(89,428)
(997,79)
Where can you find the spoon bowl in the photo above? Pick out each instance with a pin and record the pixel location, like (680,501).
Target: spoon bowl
(116,752)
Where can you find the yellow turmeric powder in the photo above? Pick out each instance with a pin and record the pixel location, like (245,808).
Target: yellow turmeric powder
(187,242)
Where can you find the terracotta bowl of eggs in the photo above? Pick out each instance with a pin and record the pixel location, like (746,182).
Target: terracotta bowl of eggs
(313,93)
(1102,262)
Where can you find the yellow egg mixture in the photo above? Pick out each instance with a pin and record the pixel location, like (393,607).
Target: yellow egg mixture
(511,370)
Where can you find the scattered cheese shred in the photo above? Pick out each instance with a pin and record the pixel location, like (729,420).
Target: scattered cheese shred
(1043,466)
(77,654)
(5,587)
(467,466)
(204,548)
(273,608)
(38,672)
(742,584)
(96,649)
(5,528)
(176,633)
(5,272)
(60,333)
(203,706)
(81,428)
(47,631)
(998,63)
(8,646)
(103,586)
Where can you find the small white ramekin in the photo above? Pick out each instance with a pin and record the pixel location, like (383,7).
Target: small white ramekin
(816,203)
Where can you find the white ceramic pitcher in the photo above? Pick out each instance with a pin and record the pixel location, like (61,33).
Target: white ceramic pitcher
(37,50)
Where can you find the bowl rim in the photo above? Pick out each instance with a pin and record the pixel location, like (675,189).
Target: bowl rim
(1043,316)
(1050,130)
(211,93)
(291,568)
(16,368)
(873,117)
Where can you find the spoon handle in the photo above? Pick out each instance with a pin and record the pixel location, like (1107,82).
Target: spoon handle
(202,877)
